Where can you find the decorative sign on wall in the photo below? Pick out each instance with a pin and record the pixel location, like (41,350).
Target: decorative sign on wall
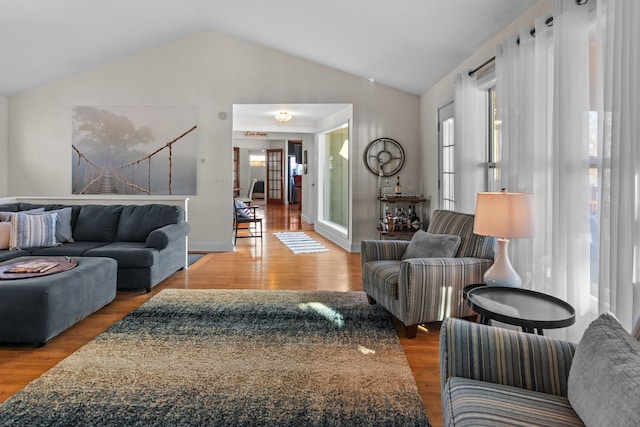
(255,134)
(134,150)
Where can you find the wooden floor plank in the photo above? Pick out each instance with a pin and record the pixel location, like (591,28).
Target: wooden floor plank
(255,264)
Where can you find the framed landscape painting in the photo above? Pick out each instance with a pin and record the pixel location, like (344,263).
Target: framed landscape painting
(134,150)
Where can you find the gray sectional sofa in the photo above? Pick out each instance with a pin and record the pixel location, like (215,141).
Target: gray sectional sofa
(147,241)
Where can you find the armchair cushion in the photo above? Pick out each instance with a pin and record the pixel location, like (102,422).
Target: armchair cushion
(604,381)
(428,245)
(476,403)
(385,272)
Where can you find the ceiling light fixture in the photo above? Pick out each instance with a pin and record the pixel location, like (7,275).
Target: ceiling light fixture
(283,117)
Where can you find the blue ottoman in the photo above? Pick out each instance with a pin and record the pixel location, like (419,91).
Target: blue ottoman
(34,310)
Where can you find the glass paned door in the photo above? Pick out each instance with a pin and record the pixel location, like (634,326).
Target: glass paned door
(275,176)
(446,144)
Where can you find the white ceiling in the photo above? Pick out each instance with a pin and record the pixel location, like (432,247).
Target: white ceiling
(405,44)
(261,117)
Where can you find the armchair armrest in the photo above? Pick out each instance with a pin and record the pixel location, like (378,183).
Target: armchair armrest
(502,356)
(161,237)
(440,282)
(373,250)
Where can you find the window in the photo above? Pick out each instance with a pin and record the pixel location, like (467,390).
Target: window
(334,157)
(595,83)
(494,141)
(446,142)
(257,160)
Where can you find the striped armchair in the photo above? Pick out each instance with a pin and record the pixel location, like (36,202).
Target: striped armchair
(495,376)
(421,290)
(498,377)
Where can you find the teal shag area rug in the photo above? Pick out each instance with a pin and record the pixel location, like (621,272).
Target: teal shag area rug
(232,358)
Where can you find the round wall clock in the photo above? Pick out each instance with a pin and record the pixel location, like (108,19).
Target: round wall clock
(384,156)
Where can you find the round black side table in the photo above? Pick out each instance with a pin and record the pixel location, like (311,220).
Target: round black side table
(532,311)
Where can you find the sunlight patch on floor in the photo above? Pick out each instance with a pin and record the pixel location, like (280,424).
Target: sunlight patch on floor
(324,311)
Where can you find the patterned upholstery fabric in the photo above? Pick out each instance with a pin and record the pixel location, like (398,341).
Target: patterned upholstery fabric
(493,376)
(502,356)
(384,272)
(460,224)
(32,231)
(476,403)
(426,289)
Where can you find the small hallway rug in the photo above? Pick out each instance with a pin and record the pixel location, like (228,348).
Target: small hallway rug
(232,358)
(299,242)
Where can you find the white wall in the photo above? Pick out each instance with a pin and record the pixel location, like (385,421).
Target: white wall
(442,93)
(4,144)
(210,71)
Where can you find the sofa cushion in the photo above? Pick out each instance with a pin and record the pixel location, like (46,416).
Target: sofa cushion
(67,249)
(10,207)
(5,233)
(32,231)
(428,245)
(383,273)
(604,380)
(473,403)
(136,222)
(6,216)
(128,254)
(97,223)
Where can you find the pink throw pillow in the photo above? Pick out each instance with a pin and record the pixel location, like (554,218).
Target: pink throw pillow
(5,233)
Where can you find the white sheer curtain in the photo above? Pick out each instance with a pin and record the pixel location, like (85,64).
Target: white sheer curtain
(469,154)
(619,151)
(571,236)
(515,89)
(542,157)
(549,89)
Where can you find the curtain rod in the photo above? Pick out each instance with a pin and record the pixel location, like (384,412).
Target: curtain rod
(548,22)
(484,64)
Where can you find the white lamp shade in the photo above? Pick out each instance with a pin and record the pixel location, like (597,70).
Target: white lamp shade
(504,214)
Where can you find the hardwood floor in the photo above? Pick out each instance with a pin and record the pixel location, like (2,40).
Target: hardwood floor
(255,264)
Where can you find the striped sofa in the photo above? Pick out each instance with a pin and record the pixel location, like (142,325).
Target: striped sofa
(498,377)
(421,290)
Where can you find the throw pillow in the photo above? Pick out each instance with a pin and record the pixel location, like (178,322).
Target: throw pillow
(63,226)
(5,233)
(428,245)
(604,380)
(32,231)
(242,209)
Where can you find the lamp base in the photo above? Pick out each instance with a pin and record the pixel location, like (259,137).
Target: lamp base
(501,273)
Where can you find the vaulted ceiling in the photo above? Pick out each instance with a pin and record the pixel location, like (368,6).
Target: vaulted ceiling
(405,44)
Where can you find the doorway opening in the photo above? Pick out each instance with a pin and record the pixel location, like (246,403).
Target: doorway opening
(291,172)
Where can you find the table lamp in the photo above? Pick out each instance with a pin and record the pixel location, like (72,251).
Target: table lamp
(503,215)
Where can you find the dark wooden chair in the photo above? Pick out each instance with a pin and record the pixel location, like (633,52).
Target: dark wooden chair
(246,219)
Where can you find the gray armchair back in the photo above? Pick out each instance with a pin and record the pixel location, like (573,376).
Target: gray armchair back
(422,290)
